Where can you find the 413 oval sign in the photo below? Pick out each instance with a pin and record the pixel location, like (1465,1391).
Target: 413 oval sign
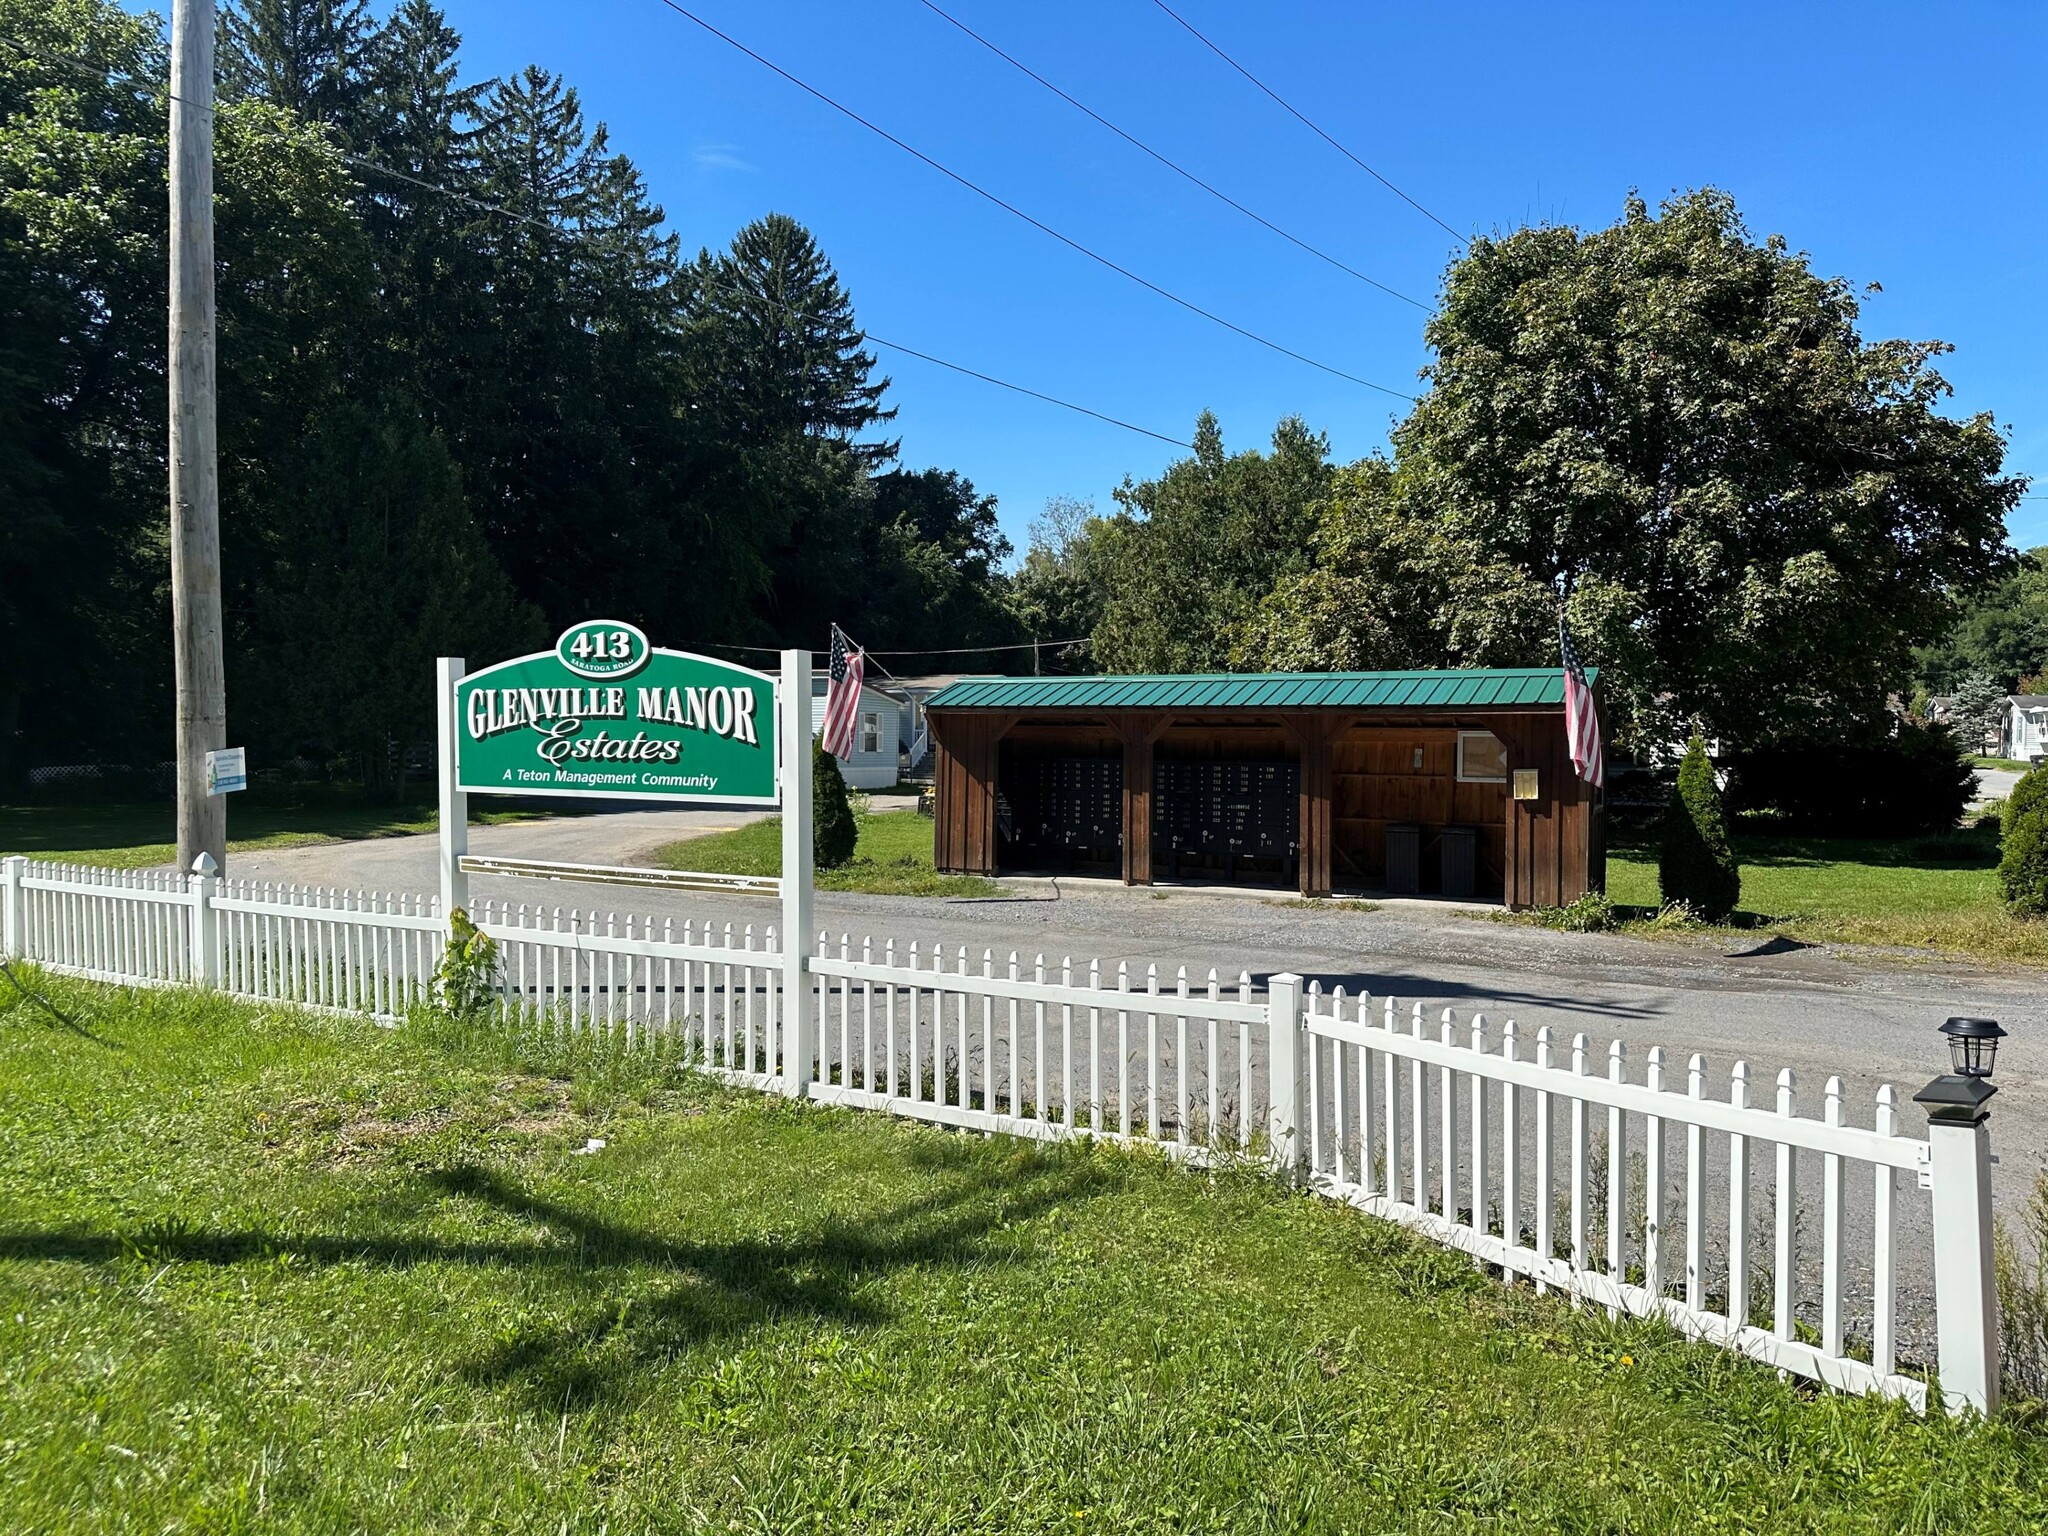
(607,648)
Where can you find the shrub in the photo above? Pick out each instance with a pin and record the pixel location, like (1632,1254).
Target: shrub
(2023,859)
(1696,864)
(467,977)
(1917,782)
(1590,913)
(833,829)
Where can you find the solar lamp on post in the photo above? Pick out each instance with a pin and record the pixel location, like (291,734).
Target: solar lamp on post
(1959,1177)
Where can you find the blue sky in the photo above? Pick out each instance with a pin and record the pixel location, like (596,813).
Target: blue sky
(1900,144)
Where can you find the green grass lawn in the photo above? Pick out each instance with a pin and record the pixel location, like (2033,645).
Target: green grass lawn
(1940,893)
(135,836)
(2010,765)
(265,1271)
(893,857)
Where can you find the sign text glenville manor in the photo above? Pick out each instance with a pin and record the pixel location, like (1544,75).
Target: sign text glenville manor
(605,714)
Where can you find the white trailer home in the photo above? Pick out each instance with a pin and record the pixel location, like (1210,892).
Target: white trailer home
(876,740)
(2023,727)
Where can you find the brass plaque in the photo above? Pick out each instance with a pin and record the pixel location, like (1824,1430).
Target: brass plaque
(1525,784)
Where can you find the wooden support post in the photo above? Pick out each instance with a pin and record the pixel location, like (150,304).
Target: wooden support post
(201,684)
(1138,736)
(1317,832)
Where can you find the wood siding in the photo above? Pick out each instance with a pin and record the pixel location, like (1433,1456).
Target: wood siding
(1359,774)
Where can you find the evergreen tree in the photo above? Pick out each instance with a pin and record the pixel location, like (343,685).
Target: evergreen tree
(1696,865)
(779,376)
(833,829)
(786,357)
(431,284)
(1975,710)
(314,58)
(385,573)
(475,384)
(2023,857)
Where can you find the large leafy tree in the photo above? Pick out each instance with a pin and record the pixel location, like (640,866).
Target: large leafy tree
(1753,514)
(1190,555)
(1058,593)
(81,403)
(931,560)
(2002,634)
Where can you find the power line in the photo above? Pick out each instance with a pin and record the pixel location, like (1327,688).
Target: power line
(1038,224)
(1299,117)
(958,650)
(85,69)
(897,346)
(1171,165)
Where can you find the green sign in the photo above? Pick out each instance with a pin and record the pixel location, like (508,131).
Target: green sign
(605,715)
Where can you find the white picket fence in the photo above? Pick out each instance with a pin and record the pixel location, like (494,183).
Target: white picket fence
(1044,1051)
(1554,1166)
(1547,1169)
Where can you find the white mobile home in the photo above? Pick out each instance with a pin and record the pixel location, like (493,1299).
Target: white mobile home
(876,736)
(2023,727)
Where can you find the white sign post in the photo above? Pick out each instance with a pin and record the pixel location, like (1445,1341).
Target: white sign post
(454,800)
(799,1024)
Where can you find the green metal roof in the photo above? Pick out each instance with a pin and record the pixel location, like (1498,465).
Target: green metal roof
(1476,688)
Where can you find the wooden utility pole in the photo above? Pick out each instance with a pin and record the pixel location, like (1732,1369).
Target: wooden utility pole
(195,475)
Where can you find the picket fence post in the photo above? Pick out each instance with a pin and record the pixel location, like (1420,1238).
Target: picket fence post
(1965,1283)
(1284,1032)
(793,743)
(205,922)
(16,935)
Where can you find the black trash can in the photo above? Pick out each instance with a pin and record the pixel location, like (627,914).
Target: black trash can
(1404,858)
(1461,861)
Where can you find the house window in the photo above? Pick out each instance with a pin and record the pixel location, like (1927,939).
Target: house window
(1481,758)
(871,732)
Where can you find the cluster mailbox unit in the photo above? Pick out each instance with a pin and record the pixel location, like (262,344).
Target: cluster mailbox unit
(1456,783)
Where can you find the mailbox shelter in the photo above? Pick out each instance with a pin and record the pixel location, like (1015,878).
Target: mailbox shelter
(1455,783)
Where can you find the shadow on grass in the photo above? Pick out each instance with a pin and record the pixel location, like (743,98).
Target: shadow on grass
(705,1290)
(1974,847)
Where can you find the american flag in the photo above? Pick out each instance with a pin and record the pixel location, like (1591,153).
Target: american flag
(842,697)
(1581,720)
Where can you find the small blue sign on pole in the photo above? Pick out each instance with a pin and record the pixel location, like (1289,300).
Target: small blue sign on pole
(227,770)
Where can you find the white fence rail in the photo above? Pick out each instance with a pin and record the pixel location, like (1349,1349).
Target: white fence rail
(1572,1177)
(363,951)
(1042,1051)
(709,988)
(1765,1230)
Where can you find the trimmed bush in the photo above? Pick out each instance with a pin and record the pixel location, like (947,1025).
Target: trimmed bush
(1696,865)
(2023,857)
(1915,783)
(833,830)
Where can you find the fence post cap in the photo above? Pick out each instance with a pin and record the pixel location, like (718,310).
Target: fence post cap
(205,865)
(1955,1100)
